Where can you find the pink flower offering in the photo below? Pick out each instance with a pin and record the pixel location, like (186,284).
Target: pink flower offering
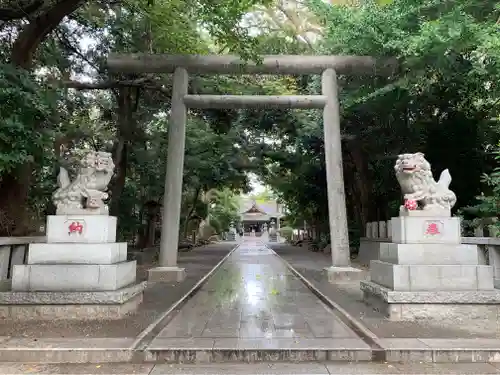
(411,205)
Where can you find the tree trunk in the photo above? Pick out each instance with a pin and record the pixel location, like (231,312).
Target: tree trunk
(151,228)
(14,188)
(362,184)
(120,160)
(190,213)
(127,98)
(36,31)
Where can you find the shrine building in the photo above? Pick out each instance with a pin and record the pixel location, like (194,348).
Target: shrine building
(260,215)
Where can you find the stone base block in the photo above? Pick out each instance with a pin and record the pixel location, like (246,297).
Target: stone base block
(77,253)
(73,277)
(439,305)
(339,274)
(370,249)
(71,305)
(421,229)
(81,228)
(431,277)
(166,274)
(430,254)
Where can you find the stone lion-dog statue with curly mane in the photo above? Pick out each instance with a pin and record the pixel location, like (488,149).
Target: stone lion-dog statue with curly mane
(85,194)
(414,175)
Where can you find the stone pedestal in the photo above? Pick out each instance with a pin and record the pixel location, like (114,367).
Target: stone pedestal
(166,274)
(80,273)
(231,236)
(339,274)
(427,273)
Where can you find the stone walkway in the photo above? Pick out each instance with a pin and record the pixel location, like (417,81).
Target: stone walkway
(254,302)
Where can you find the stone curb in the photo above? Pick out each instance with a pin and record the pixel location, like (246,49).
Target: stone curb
(118,296)
(441,350)
(53,350)
(66,355)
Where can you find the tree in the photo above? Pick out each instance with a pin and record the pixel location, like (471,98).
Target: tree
(442,99)
(223,210)
(443,102)
(162,25)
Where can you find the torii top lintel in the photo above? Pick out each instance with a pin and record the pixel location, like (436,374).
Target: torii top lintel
(270,64)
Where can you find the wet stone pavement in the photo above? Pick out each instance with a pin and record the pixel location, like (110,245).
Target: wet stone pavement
(254,302)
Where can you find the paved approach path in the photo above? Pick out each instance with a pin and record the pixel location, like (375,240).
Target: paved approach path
(254,301)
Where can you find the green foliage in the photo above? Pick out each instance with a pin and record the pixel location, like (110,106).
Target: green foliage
(442,101)
(487,209)
(223,210)
(212,160)
(25,103)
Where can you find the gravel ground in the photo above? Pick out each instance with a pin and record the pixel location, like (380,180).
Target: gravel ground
(157,299)
(349,296)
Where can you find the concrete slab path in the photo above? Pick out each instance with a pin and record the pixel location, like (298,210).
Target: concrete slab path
(253,301)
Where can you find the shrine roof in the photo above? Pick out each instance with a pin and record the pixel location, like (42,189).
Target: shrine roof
(267,208)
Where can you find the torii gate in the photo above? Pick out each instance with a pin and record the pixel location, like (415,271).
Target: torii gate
(327,66)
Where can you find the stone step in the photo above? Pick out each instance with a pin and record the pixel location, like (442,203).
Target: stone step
(436,305)
(430,254)
(73,277)
(120,350)
(71,305)
(432,277)
(179,350)
(77,253)
(256,355)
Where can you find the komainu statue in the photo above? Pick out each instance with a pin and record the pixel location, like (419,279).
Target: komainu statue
(85,195)
(420,189)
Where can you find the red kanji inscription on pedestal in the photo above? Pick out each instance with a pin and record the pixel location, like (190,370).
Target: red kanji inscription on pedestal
(75,227)
(432,229)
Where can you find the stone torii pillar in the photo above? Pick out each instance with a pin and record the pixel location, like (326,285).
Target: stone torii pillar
(168,269)
(328,66)
(337,212)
